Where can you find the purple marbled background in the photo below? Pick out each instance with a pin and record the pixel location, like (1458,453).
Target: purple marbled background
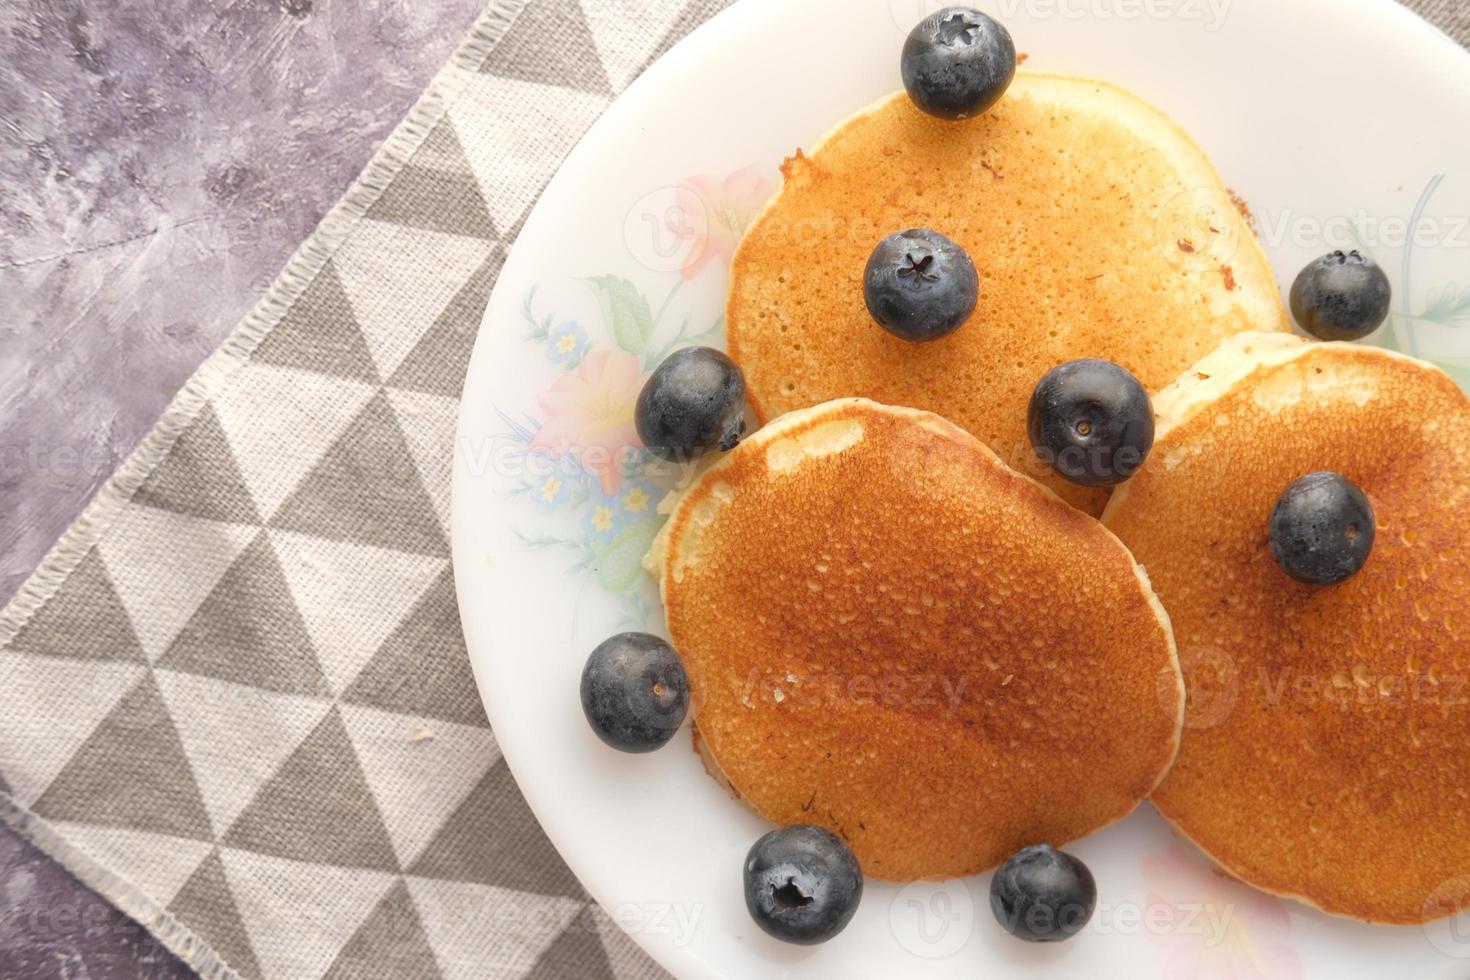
(159,163)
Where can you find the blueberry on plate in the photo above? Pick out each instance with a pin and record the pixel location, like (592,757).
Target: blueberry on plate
(920,285)
(635,692)
(1043,895)
(958,63)
(1342,296)
(802,884)
(1322,529)
(693,404)
(1091,421)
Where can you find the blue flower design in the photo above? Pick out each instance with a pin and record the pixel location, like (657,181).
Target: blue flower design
(603,533)
(552,490)
(637,500)
(566,344)
(607,516)
(601,522)
(553,482)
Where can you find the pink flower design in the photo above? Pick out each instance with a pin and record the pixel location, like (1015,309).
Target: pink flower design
(1219,928)
(589,413)
(713,215)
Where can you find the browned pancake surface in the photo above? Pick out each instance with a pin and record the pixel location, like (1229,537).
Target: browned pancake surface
(891,634)
(1099,230)
(1325,756)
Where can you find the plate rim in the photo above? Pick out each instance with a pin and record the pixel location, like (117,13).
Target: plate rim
(1409,27)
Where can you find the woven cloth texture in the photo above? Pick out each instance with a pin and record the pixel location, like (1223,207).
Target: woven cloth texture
(235,698)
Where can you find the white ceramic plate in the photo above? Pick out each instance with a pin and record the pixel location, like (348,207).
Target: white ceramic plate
(1342,122)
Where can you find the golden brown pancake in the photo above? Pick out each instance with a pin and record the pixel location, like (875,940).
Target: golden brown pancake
(1325,749)
(890,633)
(1098,227)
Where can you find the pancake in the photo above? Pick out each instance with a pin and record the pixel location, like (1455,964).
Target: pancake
(1324,753)
(1098,227)
(891,634)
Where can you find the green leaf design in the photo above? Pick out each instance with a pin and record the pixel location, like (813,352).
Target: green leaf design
(536,330)
(620,564)
(1450,307)
(626,311)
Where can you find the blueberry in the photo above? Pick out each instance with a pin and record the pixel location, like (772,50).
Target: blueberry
(920,285)
(635,692)
(958,63)
(1092,422)
(1341,297)
(1322,529)
(1043,895)
(693,404)
(802,884)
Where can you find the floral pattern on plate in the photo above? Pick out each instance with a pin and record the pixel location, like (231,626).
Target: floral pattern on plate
(578,449)
(1221,929)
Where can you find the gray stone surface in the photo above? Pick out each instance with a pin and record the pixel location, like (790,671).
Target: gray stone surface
(52,927)
(159,163)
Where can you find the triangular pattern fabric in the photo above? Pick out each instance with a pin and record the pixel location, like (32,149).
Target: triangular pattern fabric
(235,737)
(470,925)
(573,61)
(423,669)
(131,773)
(436,190)
(510,149)
(434,421)
(376,263)
(390,943)
(437,363)
(629,33)
(248,631)
(577,952)
(31,688)
(280,421)
(492,839)
(693,15)
(320,333)
(157,863)
(159,592)
(441,149)
(626,957)
(241,684)
(398,752)
(85,619)
(347,614)
(437,201)
(200,477)
(207,904)
(335,902)
(367,489)
(341,826)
